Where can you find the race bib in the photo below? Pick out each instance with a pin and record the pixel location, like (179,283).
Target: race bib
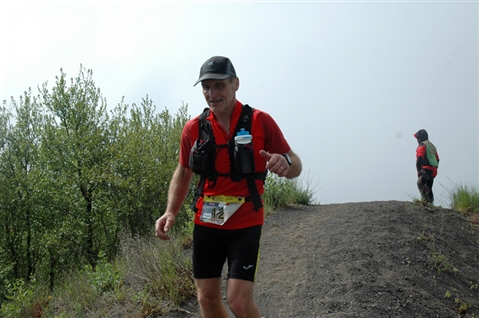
(218,209)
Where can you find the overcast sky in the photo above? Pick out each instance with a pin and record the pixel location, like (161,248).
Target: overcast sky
(349,82)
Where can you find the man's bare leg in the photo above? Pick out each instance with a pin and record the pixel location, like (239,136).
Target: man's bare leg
(240,298)
(210,298)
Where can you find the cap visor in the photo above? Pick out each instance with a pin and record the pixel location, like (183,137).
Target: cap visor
(209,76)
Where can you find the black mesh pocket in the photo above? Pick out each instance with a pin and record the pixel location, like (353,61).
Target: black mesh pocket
(199,156)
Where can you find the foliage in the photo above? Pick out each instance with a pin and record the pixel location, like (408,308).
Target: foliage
(105,278)
(279,192)
(442,263)
(74,175)
(26,299)
(21,176)
(146,155)
(464,198)
(461,306)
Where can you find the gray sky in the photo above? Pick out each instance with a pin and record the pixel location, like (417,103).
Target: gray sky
(349,82)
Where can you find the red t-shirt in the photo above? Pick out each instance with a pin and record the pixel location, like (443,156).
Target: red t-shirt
(266,135)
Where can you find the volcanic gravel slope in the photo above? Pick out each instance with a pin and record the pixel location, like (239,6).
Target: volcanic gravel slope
(367,259)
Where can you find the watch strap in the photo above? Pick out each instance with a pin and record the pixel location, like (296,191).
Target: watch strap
(288,159)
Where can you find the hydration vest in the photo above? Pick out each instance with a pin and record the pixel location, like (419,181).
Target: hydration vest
(203,154)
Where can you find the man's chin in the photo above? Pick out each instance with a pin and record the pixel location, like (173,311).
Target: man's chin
(215,104)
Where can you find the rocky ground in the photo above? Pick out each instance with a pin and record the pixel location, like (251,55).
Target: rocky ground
(368,259)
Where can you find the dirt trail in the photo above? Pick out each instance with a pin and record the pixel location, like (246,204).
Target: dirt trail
(368,259)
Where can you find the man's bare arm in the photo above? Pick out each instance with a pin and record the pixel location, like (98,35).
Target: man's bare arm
(177,192)
(296,166)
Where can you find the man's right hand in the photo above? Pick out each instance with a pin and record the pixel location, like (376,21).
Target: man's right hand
(163,225)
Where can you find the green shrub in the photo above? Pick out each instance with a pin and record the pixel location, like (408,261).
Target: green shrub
(105,278)
(25,299)
(303,194)
(280,192)
(87,292)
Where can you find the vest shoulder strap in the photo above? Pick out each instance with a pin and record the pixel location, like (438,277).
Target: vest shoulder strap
(205,132)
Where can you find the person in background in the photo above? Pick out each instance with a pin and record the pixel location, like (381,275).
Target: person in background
(229,213)
(427,162)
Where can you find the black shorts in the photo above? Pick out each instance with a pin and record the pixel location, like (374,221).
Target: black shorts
(211,247)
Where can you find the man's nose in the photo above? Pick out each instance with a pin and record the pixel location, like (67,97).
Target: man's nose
(211,92)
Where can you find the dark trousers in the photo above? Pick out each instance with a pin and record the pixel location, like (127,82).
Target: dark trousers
(424,184)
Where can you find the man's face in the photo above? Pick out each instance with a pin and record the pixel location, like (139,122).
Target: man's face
(220,95)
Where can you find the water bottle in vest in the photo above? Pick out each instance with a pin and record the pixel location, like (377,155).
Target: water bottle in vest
(244,157)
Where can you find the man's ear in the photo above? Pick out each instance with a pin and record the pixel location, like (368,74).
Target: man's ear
(236,83)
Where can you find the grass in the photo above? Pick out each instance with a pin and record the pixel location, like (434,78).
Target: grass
(149,278)
(461,306)
(280,192)
(422,203)
(442,263)
(464,198)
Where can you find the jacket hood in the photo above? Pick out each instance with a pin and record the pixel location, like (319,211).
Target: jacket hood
(421,135)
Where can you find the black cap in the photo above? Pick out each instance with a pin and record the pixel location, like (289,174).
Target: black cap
(217,67)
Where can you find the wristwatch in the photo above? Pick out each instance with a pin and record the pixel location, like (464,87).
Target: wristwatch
(288,159)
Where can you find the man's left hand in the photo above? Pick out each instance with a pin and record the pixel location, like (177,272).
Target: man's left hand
(275,163)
